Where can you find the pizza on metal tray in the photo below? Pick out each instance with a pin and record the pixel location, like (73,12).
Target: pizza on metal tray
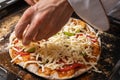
(74,50)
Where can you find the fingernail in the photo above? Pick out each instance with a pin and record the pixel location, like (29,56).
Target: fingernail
(26,42)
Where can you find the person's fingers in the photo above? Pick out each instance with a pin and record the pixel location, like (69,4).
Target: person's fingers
(63,18)
(48,29)
(51,25)
(30,2)
(23,22)
(60,20)
(37,23)
(43,31)
(53,30)
(35,1)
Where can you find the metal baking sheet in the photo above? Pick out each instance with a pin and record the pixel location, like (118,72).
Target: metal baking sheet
(5,3)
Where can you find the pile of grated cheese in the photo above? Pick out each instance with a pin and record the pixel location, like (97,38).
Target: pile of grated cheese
(68,46)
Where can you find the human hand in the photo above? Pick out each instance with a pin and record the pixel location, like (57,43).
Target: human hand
(43,20)
(31,2)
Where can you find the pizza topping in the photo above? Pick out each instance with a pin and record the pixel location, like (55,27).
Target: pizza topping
(15,58)
(79,35)
(69,67)
(17,49)
(31,50)
(94,40)
(69,34)
(22,53)
(30,62)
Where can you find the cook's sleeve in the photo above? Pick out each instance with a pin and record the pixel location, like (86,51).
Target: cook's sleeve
(92,12)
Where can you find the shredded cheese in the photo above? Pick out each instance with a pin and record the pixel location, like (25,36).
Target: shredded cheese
(15,58)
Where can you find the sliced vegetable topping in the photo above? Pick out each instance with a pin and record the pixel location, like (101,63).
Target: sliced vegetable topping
(94,40)
(69,34)
(77,35)
(69,67)
(22,53)
(31,50)
(91,36)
